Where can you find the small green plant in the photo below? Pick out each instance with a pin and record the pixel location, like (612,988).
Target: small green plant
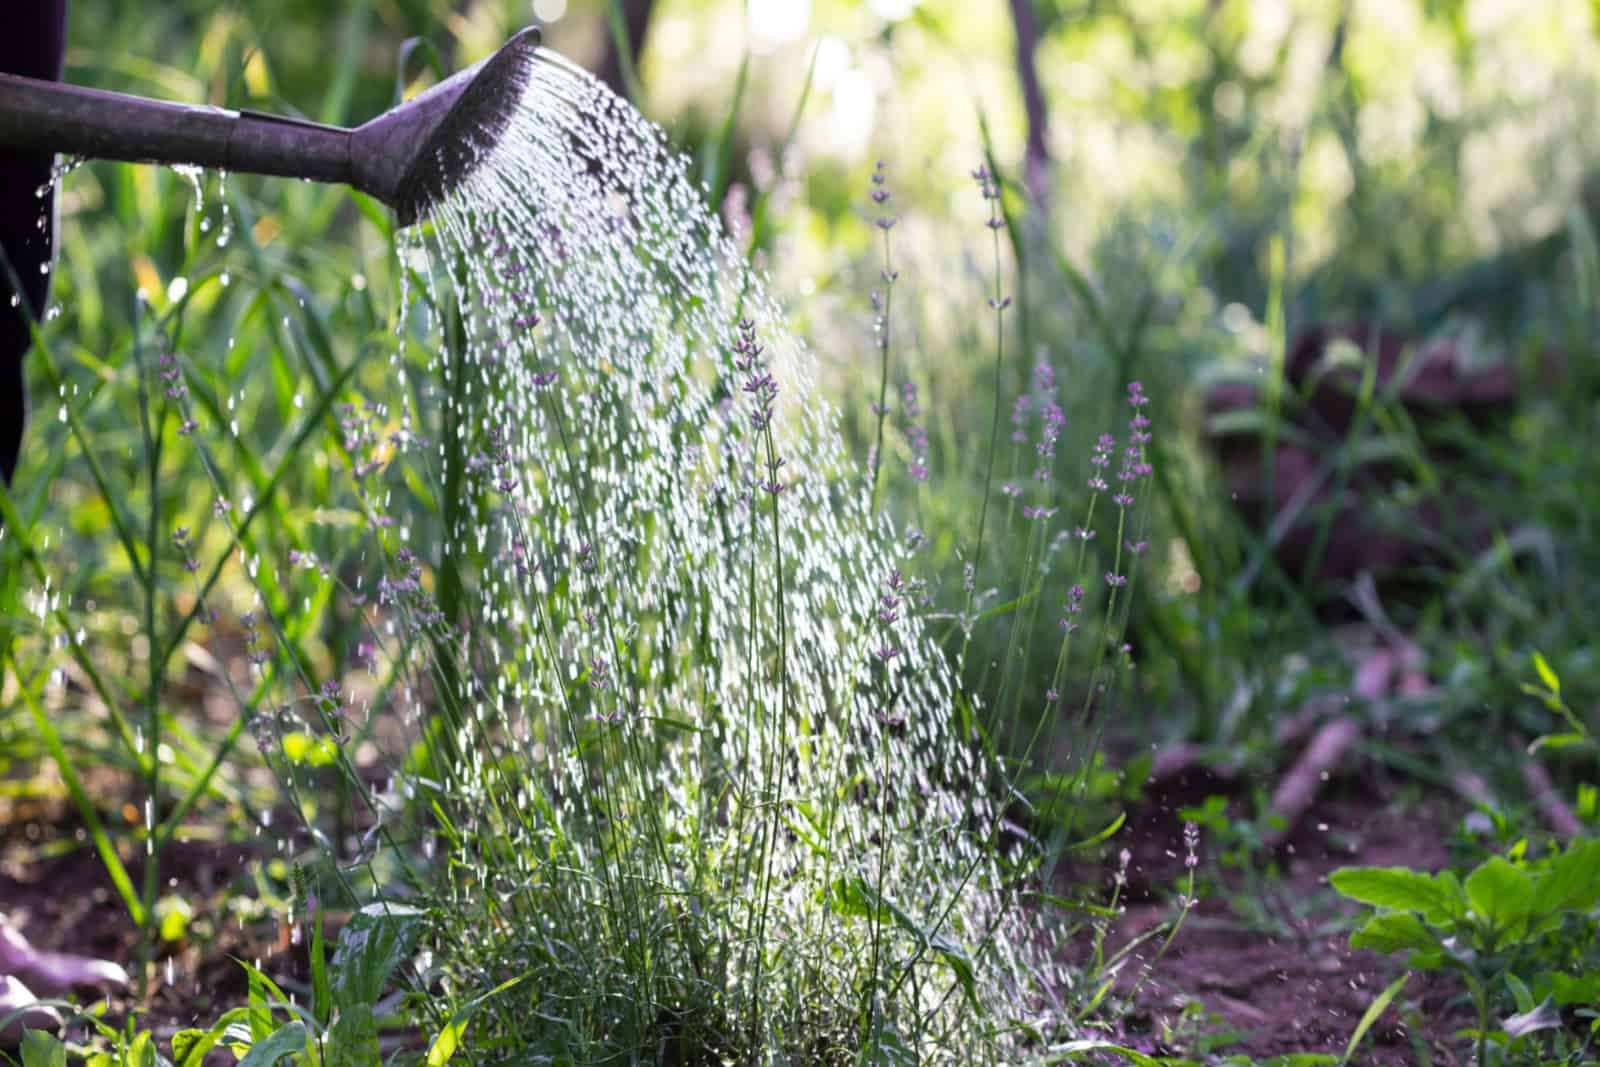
(1521,933)
(338,1028)
(1548,691)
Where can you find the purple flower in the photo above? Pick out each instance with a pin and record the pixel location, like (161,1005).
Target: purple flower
(599,673)
(1044,377)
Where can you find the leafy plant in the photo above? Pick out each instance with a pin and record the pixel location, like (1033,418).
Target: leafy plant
(338,1028)
(1521,933)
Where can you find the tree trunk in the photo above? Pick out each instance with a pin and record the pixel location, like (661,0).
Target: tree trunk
(1036,161)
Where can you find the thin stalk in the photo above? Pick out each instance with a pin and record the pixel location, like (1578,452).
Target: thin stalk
(882,408)
(999,304)
(782,669)
(151,434)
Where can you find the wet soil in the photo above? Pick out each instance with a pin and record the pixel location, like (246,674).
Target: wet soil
(1262,965)
(55,889)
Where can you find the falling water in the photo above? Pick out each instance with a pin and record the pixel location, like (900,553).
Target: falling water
(692,640)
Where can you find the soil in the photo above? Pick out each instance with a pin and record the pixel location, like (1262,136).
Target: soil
(54,888)
(1262,965)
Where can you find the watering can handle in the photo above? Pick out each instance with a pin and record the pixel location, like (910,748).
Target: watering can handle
(45,117)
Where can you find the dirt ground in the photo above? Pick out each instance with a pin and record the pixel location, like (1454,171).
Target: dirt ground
(1266,959)
(54,888)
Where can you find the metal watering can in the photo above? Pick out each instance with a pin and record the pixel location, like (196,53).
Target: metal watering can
(408,157)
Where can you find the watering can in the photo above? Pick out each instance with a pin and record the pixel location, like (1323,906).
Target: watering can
(408,157)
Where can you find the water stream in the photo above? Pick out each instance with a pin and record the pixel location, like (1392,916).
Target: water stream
(689,634)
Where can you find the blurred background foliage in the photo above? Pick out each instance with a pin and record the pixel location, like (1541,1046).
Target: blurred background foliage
(1190,181)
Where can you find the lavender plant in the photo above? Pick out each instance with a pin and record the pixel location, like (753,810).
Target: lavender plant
(690,768)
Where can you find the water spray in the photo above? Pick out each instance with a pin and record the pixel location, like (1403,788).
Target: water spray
(409,157)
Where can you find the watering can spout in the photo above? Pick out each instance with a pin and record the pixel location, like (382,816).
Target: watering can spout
(409,157)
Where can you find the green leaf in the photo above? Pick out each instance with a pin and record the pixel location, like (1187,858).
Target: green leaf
(448,1039)
(1556,741)
(1569,990)
(1394,931)
(1571,882)
(189,1047)
(1073,1050)
(288,1040)
(141,1051)
(1546,675)
(321,995)
(40,1049)
(1500,893)
(1374,1012)
(352,1040)
(372,944)
(1398,889)
(259,1009)
(885,1047)
(1110,829)
(1519,992)
(174,914)
(185,1042)
(854,897)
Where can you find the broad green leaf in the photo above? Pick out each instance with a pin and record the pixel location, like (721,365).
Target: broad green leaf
(1394,931)
(1500,893)
(40,1049)
(289,1040)
(853,896)
(1569,990)
(260,1013)
(1397,888)
(886,1047)
(1571,881)
(141,1051)
(352,1040)
(371,946)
